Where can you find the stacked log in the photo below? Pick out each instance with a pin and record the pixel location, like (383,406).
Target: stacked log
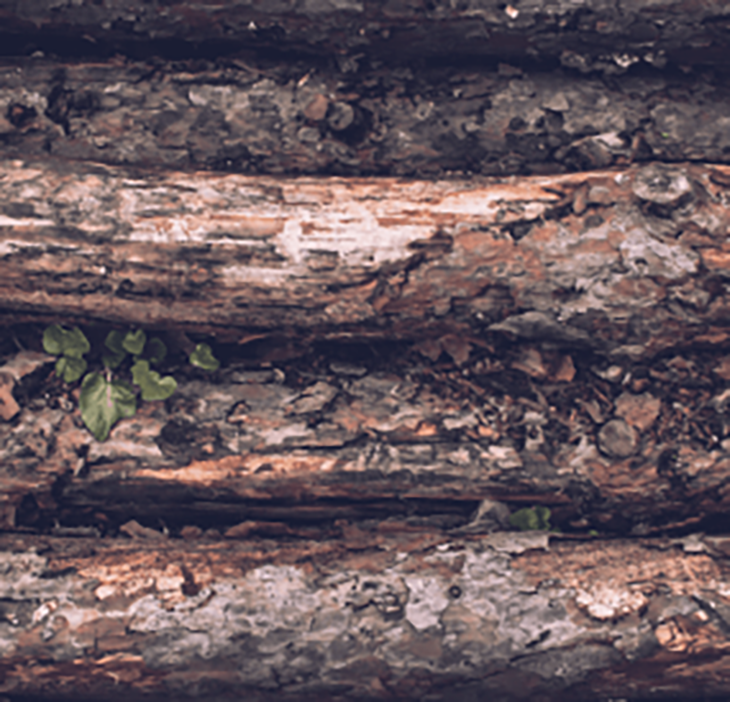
(464,265)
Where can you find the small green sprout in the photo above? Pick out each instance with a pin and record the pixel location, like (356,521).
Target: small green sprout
(532,519)
(203,358)
(73,345)
(103,400)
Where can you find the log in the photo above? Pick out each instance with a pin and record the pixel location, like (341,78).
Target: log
(592,33)
(377,614)
(622,263)
(469,435)
(290,118)
(305,436)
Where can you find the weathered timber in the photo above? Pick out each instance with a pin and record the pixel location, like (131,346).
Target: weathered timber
(627,447)
(371,614)
(293,119)
(626,262)
(590,32)
(327,517)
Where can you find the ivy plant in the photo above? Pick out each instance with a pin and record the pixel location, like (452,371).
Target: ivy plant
(532,519)
(103,399)
(203,357)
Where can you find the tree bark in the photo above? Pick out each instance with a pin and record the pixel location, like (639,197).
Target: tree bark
(452,301)
(594,32)
(624,263)
(382,613)
(626,448)
(293,118)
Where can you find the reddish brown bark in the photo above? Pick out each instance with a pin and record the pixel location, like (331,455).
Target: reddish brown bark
(578,259)
(330,516)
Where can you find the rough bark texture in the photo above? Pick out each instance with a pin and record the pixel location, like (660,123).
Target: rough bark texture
(376,119)
(374,614)
(626,263)
(625,448)
(406,363)
(358,562)
(594,32)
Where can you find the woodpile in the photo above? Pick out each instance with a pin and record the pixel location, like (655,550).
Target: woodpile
(464,269)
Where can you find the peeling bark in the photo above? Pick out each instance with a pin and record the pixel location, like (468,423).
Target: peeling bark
(406,363)
(369,614)
(627,263)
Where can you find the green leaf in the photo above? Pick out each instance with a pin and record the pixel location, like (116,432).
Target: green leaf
(134,342)
(114,340)
(112,360)
(531,518)
(102,403)
(52,339)
(203,358)
(114,343)
(153,387)
(523,519)
(156,349)
(543,517)
(57,340)
(70,368)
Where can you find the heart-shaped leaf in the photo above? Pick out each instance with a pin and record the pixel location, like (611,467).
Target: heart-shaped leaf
(156,349)
(102,403)
(203,358)
(57,340)
(70,368)
(153,387)
(134,342)
(114,342)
